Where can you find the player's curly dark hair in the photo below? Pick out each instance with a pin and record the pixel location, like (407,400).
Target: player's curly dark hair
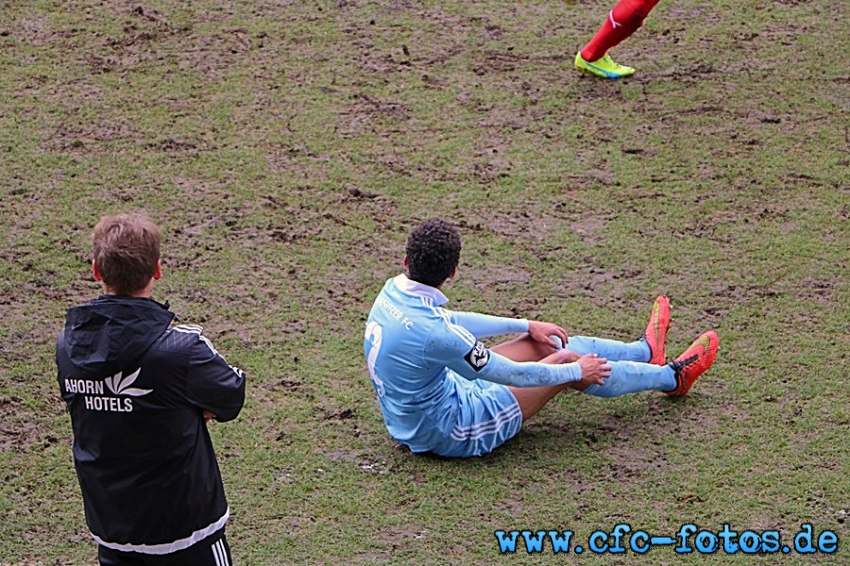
(433,252)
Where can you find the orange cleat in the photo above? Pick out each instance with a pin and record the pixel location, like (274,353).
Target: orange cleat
(694,361)
(656,330)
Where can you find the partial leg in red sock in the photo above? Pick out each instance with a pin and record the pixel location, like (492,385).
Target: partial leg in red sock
(626,17)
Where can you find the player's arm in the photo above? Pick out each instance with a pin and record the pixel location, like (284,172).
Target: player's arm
(485,325)
(212,384)
(499,369)
(460,351)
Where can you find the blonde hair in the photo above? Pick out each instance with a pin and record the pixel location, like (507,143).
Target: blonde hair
(126,251)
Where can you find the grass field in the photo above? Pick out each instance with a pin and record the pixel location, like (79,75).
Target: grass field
(287,147)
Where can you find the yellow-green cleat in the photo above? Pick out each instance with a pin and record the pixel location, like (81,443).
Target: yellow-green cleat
(604,67)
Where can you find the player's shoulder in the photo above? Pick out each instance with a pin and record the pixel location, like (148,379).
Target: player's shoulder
(188,329)
(188,338)
(184,335)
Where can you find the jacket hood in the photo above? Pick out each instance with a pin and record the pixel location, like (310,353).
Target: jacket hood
(105,335)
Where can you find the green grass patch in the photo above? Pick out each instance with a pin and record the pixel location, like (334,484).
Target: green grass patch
(287,148)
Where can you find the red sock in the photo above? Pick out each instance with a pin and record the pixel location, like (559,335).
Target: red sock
(623,20)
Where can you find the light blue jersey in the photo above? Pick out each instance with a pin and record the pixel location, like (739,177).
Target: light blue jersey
(434,378)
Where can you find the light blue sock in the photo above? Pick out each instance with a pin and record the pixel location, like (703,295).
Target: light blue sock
(612,350)
(631,377)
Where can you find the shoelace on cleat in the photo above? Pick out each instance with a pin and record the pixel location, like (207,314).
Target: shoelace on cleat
(679,365)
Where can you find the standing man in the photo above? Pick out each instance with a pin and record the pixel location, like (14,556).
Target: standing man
(140,394)
(626,17)
(441,390)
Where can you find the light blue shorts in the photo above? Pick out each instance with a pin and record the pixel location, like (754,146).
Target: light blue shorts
(487,415)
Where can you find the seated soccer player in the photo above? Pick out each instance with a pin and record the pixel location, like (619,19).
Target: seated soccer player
(441,390)
(623,20)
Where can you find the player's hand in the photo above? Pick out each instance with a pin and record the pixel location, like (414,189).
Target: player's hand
(593,369)
(543,331)
(208,416)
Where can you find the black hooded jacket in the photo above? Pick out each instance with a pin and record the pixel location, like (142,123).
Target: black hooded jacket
(136,391)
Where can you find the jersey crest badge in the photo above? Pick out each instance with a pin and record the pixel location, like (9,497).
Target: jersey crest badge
(478,356)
